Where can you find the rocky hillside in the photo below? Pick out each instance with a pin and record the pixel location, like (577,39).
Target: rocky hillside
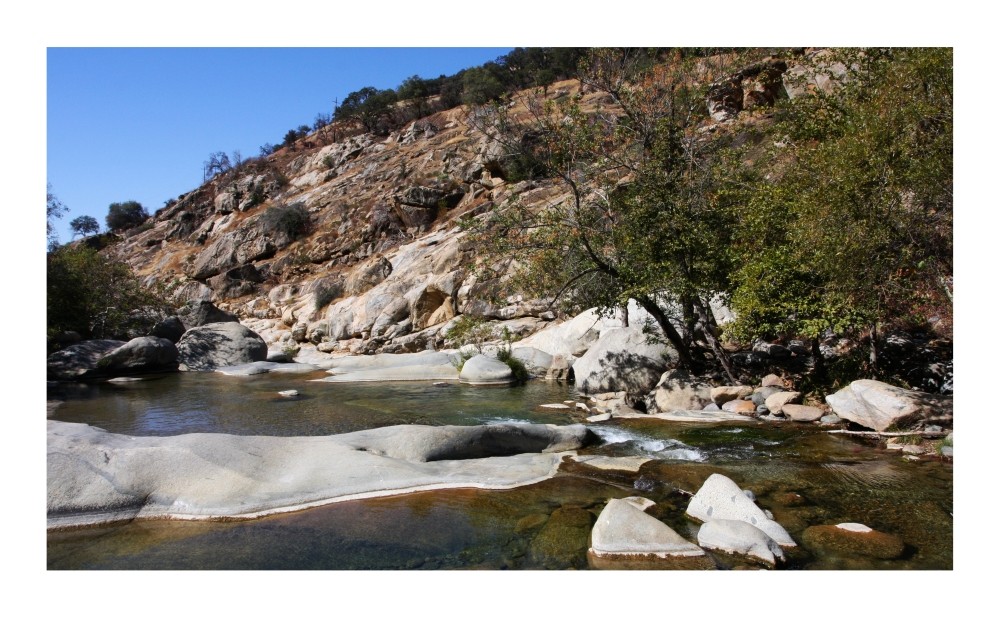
(353,240)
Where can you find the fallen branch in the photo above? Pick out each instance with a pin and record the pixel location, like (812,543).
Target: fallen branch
(876,434)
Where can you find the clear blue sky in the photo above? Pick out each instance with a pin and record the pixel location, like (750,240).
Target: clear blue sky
(137,123)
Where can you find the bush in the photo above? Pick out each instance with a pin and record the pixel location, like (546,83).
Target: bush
(125,215)
(292,220)
(94,296)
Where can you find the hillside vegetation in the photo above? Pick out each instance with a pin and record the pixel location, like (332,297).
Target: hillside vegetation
(808,190)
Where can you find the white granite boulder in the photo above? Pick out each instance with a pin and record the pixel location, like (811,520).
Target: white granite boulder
(741,538)
(878,405)
(621,360)
(624,530)
(721,498)
(483,370)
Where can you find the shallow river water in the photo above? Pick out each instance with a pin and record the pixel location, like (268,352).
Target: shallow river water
(802,475)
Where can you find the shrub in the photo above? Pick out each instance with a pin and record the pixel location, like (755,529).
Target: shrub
(469,330)
(125,215)
(292,220)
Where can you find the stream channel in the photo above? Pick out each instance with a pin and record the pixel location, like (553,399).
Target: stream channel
(804,476)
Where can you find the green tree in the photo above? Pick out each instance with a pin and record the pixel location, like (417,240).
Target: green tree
(84,225)
(854,229)
(480,85)
(644,219)
(95,296)
(125,215)
(369,106)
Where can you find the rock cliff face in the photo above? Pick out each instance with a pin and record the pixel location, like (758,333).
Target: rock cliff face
(351,240)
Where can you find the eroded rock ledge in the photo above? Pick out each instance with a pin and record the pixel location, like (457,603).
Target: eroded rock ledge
(97,477)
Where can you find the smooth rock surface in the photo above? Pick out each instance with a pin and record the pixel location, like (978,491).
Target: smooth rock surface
(80,360)
(621,360)
(721,498)
(739,537)
(419,366)
(802,413)
(215,345)
(877,405)
(95,476)
(778,400)
(484,370)
(613,463)
(144,354)
(723,394)
(677,389)
(623,530)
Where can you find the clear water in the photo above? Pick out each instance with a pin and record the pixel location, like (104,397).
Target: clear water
(805,477)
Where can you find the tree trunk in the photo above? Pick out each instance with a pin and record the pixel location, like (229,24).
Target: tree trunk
(819,362)
(873,348)
(683,353)
(717,349)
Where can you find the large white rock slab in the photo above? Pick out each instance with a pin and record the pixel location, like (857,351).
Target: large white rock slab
(621,360)
(623,530)
(95,476)
(739,537)
(878,405)
(721,498)
(420,366)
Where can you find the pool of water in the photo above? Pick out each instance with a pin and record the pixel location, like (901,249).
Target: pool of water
(802,475)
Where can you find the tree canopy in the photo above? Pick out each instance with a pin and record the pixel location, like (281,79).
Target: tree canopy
(125,215)
(84,225)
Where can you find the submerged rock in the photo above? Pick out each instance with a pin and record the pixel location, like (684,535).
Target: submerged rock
(853,538)
(562,542)
(420,366)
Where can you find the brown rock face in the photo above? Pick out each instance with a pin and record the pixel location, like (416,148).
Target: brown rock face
(802,413)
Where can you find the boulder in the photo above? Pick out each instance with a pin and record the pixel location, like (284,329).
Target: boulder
(80,360)
(739,537)
(724,394)
(760,394)
(621,359)
(624,530)
(772,381)
(140,355)
(740,406)
(560,369)
(202,312)
(171,328)
(299,332)
(802,413)
(878,405)
(776,401)
(484,370)
(854,539)
(536,361)
(677,390)
(721,498)
(215,345)
(724,100)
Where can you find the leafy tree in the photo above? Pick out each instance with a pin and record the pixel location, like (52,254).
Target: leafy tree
(93,295)
(644,220)
(125,215)
(369,106)
(857,230)
(54,209)
(480,85)
(84,225)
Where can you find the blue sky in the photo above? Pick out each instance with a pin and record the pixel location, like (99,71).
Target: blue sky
(137,123)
